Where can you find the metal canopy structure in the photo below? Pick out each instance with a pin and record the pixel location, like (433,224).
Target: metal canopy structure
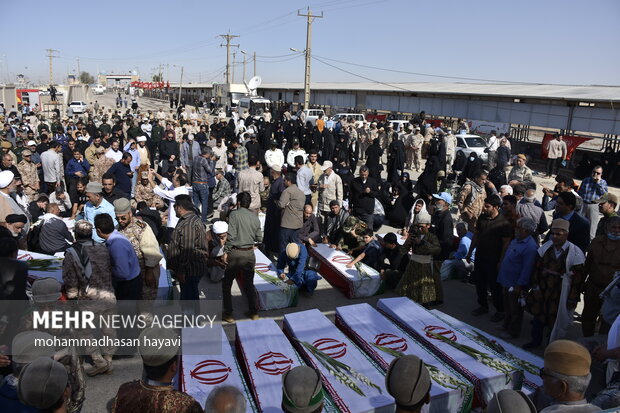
(584,108)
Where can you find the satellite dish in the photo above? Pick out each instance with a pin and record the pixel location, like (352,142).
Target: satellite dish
(255,82)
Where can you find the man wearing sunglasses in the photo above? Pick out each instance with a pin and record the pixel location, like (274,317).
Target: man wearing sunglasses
(591,189)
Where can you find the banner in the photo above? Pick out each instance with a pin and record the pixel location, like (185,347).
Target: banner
(572,142)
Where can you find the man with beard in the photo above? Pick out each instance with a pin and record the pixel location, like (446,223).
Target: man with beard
(273,216)
(89,153)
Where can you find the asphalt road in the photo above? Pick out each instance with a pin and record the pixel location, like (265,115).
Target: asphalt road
(460,299)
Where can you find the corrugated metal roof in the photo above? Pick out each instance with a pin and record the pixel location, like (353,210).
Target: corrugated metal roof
(591,93)
(566,92)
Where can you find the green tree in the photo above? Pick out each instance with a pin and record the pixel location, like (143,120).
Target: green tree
(158,78)
(86,78)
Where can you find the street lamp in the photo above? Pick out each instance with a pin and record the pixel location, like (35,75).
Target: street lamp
(244,61)
(307,75)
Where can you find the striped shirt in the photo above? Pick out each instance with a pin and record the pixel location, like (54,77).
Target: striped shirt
(187,251)
(591,191)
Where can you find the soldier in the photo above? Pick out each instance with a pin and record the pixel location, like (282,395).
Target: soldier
(144,243)
(418,142)
(364,139)
(408,141)
(155,392)
(101,165)
(428,135)
(351,236)
(450,140)
(30,177)
(144,191)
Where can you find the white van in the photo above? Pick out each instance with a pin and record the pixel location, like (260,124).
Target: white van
(309,115)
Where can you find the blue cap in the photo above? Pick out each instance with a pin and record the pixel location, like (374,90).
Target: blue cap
(444,196)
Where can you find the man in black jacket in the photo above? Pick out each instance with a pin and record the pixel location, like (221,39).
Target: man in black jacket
(579,233)
(443,228)
(169,152)
(364,190)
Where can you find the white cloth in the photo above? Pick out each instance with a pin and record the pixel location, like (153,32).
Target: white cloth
(290,157)
(170,193)
(564,318)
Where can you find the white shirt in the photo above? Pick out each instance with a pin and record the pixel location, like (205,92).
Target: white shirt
(304,175)
(290,157)
(170,194)
(493,143)
(117,156)
(274,158)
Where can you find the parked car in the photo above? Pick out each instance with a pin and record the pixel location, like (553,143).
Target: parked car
(98,90)
(358,118)
(78,106)
(472,143)
(310,115)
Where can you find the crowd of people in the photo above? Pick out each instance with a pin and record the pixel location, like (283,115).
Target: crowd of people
(140,185)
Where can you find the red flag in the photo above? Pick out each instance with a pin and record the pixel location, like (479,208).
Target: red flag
(572,142)
(167,85)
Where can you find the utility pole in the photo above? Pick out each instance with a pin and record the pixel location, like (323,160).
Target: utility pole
(228,37)
(254,58)
(181,85)
(244,68)
(310,18)
(50,55)
(78,67)
(233,67)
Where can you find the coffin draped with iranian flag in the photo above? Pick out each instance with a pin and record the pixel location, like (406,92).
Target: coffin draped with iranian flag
(205,366)
(450,392)
(266,354)
(348,280)
(314,328)
(271,292)
(488,376)
(50,266)
(530,363)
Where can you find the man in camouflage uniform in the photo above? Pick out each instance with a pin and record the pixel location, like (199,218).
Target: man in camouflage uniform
(100,166)
(428,135)
(407,138)
(144,243)
(364,139)
(144,191)
(30,177)
(155,392)
(417,143)
(450,140)
(351,240)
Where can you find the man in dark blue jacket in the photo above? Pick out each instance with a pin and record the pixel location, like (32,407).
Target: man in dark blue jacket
(122,173)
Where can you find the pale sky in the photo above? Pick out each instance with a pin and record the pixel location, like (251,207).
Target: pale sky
(549,41)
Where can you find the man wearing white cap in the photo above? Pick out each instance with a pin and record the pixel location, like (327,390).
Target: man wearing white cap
(330,188)
(8,205)
(216,239)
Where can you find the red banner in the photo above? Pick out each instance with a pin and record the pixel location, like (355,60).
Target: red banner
(572,142)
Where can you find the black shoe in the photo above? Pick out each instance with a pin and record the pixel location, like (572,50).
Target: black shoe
(479,311)
(530,346)
(498,316)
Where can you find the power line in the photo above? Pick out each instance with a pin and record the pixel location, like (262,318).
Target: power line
(427,74)
(228,37)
